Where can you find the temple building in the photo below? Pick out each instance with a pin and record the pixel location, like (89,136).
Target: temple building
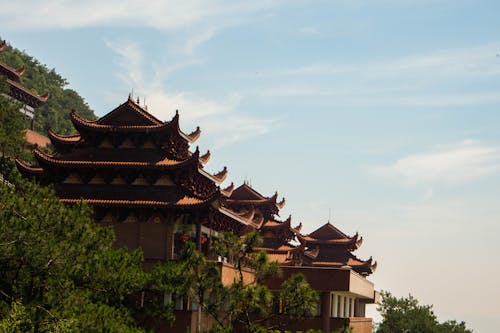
(141,177)
(29,100)
(324,256)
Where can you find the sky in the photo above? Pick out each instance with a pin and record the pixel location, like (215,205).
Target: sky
(381,116)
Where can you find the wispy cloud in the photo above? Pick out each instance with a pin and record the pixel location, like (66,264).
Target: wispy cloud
(440,78)
(220,119)
(309,31)
(194,21)
(160,14)
(447,164)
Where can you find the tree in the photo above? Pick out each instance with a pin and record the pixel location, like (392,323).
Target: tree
(404,315)
(58,270)
(246,303)
(12,124)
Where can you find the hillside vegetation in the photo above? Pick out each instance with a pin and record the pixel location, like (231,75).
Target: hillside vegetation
(40,79)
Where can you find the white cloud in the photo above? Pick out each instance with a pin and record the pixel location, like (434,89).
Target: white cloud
(309,31)
(449,164)
(194,21)
(477,60)
(441,78)
(220,120)
(160,14)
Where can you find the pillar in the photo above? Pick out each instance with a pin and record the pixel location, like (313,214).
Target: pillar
(326,306)
(169,241)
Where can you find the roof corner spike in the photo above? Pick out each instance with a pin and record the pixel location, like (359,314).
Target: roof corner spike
(21,71)
(228,190)
(205,158)
(193,136)
(221,175)
(45,96)
(281,204)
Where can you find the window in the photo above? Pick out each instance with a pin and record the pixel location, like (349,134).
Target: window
(179,303)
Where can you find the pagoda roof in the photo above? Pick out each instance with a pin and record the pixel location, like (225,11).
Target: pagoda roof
(245,194)
(283,248)
(282,225)
(28,169)
(352,242)
(328,231)
(364,267)
(244,218)
(129,113)
(131,117)
(217,178)
(25,95)
(9,72)
(58,139)
(166,163)
(184,202)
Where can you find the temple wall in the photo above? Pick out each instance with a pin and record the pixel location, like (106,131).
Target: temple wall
(229,274)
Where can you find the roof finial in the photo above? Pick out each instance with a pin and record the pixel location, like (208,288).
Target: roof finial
(138,101)
(329,214)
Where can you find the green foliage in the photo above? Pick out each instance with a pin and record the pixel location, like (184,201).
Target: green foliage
(57,268)
(299,300)
(345,327)
(401,315)
(40,79)
(249,304)
(12,124)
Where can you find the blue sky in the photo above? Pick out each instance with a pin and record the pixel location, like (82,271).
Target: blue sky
(385,112)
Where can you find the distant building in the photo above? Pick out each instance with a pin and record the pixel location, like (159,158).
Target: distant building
(29,100)
(141,177)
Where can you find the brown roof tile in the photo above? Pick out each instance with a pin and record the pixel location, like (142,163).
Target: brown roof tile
(34,138)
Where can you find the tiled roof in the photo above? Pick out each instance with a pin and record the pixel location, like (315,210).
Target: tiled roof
(11,73)
(185,201)
(328,231)
(162,164)
(25,95)
(80,123)
(127,107)
(64,139)
(34,138)
(28,169)
(216,178)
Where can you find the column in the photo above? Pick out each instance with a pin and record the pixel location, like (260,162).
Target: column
(325,311)
(351,303)
(169,241)
(334,305)
(341,306)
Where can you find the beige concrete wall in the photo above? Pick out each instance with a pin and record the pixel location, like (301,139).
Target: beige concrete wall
(229,274)
(360,285)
